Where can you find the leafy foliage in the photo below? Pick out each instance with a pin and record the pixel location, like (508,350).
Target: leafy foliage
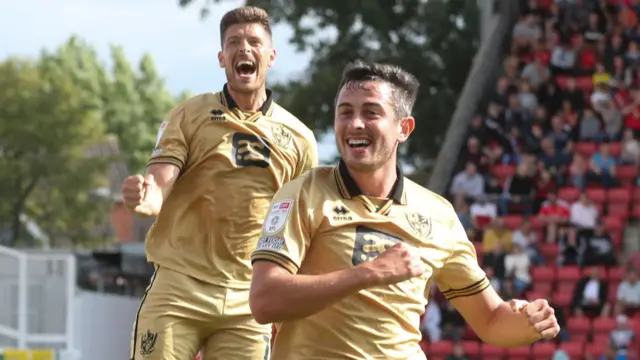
(436,40)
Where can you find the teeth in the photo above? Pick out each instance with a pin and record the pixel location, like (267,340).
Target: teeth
(245,62)
(358,142)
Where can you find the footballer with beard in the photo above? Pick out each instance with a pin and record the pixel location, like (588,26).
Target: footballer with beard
(219,160)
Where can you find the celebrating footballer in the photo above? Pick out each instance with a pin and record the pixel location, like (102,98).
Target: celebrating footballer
(347,253)
(219,160)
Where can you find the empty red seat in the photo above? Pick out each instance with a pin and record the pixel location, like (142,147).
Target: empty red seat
(614,149)
(585,148)
(562,299)
(543,350)
(619,195)
(536,223)
(587,270)
(503,171)
(595,349)
(569,194)
(543,288)
(549,252)
(534,295)
(619,210)
(612,223)
(490,350)
(574,349)
(635,194)
(568,273)
(603,325)
(519,353)
(471,348)
(577,325)
(635,211)
(543,273)
(512,221)
(441,348)
(615,274)
(597,195)
(626,174)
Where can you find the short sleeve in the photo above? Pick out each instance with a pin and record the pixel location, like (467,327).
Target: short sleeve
(461,275)
(309,158)
(285,236)
(172,144)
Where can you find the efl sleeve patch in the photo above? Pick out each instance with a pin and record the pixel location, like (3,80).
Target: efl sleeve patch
(160,132)
(277,218)
(270,243)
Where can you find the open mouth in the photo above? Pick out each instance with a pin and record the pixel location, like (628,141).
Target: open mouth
(358,143)
(246,67)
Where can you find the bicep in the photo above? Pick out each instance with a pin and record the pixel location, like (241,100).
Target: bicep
(266,274)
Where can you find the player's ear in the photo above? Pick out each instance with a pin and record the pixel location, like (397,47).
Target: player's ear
(272,57)
(406,126)
(220,59)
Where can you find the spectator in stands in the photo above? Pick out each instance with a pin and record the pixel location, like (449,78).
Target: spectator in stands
(508,290)
(458,352)
(494,258)
(536,72)
(560,137)
(590,128)
(527,31)
(496,233)
(519,191)
(549,96)
(629,149)
(496,283)
(452,322)
(578,172)
(464,215)
(573,94)
(569,252)
(430,325)
(473,153)
(503,89)
(493,189)
(483,212)
(598,247)
(602,167)
(477,130)
(590,295)
(528,100)
(583,215)
(622,335)
(528,240)
(468,183)
(553,160)
(554,214)
(601,76)
(628,297)
(517,264)
(563,59)
(544,185)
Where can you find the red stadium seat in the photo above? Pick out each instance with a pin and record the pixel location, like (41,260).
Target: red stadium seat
(441,348)
(603,325)
(469,334)
(424,345)
(569,194)
(636,194)
(585,148)
(568,273)
(597,195)
(521,353)
(615,275)
(614,149)
(549,252)
(503,171)
(562,299)
(601,338)
(577,325)
(543,273)
(471,348)
(626,174)
(587,270)
(489,350)
(612,223)
(536,223)
(543,350)
(619,196)
(512,221)
(613,293)
(619,210)
(533,295)
(635,212)
(595,349)
(574,349)
(566,286)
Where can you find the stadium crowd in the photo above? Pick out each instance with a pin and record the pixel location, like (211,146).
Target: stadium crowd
(548,181)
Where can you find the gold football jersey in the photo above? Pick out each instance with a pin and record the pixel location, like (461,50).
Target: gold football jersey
(232,163)
(321,223)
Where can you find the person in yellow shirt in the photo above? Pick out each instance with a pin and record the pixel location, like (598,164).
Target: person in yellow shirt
(601,76)
(497,233)
(218,162)
(347,254)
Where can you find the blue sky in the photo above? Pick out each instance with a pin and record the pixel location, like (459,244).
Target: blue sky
(183,47)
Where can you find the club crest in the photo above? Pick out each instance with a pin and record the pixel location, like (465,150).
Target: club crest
(420,224)
(148,343)
(280,135)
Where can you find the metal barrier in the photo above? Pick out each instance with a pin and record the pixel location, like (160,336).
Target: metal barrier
(37,296)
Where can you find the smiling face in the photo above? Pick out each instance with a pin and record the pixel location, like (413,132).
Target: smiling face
(247,49)
(366,126)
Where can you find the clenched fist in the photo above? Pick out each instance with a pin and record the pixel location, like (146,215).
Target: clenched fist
(398,263)
(541,316)
(142,195)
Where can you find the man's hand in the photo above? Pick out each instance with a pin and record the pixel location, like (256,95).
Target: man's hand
(142,195)
(541,316)
(398,263)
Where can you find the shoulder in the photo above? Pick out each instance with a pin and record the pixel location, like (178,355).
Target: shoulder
(315,183)
(284,117)
(196,106)
(421,197)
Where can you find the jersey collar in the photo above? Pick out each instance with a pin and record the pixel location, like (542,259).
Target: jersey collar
(228,101)
(348,187)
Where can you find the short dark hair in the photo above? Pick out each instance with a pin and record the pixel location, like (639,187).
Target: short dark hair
(404,85)
(244,15)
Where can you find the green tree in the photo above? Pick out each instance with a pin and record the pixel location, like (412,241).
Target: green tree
(436,40)
(59,115)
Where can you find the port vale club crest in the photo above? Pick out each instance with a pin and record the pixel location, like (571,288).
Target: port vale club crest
(420,224)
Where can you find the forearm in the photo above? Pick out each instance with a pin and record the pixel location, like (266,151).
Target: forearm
(509,329)
(289,297)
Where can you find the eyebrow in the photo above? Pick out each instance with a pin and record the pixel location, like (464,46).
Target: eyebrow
(365,104)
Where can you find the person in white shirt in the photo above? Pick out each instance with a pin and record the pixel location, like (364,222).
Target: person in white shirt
(468,183)
(629,292)
(583,213)
(516,264)
(483,212)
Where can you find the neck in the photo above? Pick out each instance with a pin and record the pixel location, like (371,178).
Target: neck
(377,183)
(249,101)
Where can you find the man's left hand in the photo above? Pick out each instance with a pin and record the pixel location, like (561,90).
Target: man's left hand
(540,315)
